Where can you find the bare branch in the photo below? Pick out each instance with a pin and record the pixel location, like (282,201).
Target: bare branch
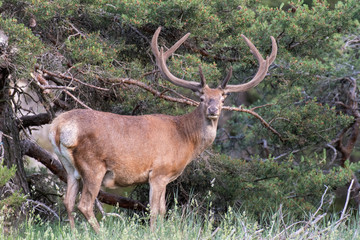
(70,78)
(150,89)
(42,205)
(77,100)
(34,120)
(78,32)
(240,109)
(311,221)
(347,199)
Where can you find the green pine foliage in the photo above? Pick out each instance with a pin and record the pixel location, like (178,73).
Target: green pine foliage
(9,199)
(261,186)
(26,47)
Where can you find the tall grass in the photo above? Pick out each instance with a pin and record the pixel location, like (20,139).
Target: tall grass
(186,223)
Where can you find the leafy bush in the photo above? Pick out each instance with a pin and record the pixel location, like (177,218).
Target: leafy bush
(260,186)
(26,47)
(10,199)
(14,199)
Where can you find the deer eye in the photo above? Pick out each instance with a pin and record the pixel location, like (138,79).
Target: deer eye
(202,98)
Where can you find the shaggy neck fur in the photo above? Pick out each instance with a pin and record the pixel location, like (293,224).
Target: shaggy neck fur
(198,129)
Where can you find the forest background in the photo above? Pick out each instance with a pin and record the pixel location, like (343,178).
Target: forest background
(292,138)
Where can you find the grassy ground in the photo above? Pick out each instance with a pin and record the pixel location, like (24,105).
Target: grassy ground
(186,223)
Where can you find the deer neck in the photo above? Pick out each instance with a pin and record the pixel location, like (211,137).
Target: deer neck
(199,130)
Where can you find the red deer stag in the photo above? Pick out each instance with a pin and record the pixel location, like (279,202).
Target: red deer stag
(112,150)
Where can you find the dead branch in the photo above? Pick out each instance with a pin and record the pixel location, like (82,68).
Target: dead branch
(267,125)
(78,32)
(34,120)
(70,78)
(77,100)
(347,199)
(31,149)
(149,89)
(38,205)
(312,221)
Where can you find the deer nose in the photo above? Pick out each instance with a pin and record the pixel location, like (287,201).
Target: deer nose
(212,110)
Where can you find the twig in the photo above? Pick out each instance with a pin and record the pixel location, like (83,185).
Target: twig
(77,100)
(347,199)
(63,76)
(58,87)
(178,94)
(99,206)
(311,221)
(77,30)
(265,105)
(150,89)
(287,153)
(343,215)
(335,153)
(43,206)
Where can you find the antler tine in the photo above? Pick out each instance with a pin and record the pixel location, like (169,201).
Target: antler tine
(161,58)
(226,79)
(263,67)
(273,51)
(202,78)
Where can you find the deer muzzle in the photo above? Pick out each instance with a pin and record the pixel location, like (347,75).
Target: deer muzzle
(213,112)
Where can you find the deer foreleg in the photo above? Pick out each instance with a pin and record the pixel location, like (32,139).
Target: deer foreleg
(157,200)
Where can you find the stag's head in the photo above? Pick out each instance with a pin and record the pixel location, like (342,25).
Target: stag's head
(211,102)
(211,99)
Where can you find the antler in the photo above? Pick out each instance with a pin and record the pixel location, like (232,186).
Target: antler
(161,58)
(261,73)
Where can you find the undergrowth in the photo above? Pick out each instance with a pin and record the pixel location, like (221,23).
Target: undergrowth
(185,223)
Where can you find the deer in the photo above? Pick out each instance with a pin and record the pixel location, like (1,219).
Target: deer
(111,150)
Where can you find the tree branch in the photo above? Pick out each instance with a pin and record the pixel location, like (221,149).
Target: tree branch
(267,125)
(34,120)
(149,89)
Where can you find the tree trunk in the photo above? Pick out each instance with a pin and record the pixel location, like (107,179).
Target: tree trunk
(10,132)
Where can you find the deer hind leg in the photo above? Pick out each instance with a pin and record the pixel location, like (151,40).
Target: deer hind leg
(157,200)
(66,158)
(71,192)
(91,186)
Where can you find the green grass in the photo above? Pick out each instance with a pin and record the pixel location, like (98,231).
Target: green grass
(186,223)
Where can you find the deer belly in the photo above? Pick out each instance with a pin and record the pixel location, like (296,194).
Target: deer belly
(113,179)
